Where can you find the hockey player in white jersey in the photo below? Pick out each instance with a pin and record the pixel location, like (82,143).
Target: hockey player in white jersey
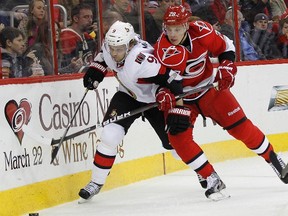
(140,76)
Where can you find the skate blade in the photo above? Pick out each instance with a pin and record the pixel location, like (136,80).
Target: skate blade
(82,201)
(221,195)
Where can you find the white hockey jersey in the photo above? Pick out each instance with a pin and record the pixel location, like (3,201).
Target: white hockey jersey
(140,63)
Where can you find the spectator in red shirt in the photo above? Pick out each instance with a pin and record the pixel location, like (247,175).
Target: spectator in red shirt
(75,40)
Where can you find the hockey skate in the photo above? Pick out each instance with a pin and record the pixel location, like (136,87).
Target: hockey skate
(278,165)
(89,191)
(202,181)
(216,188)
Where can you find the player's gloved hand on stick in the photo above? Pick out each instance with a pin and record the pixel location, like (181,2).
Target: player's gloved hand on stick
(94,75)
(225,75)
(165,99)
(178,120)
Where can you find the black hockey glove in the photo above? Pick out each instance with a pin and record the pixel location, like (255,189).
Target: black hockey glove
(94,75)
(178,120)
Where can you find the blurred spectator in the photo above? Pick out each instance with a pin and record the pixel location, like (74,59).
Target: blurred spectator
(109,17)
(75,40)
(2,26)
(227,28)
(130,13)
(249,50)
(278,7)
(264,38)
(159,13)
(29,26)
(250,8)
(7,6)
(197,5)
(151,6)
(13,46)
(76,62)
(284,15)
(42,51)
(283,37)
(5,17)
(203,9)
(219,8)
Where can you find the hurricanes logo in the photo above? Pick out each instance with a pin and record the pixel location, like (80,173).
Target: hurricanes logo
(17,115)
(169,52)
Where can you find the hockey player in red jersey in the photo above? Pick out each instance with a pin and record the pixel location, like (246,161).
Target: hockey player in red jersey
(185,47)
(140,76)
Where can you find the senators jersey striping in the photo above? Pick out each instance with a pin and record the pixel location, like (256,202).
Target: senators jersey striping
(191,58)
(138,65)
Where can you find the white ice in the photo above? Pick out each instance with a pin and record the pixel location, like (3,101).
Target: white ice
(254,188)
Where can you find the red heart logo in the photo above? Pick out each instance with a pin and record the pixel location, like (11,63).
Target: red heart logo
(17,116)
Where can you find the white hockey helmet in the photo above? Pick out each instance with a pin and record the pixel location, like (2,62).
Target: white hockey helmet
(120,33)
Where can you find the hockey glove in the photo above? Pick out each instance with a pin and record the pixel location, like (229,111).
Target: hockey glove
(165,99)
(94,75)
(178,120)
(226,75)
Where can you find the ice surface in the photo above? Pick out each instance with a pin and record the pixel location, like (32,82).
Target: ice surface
(254,188)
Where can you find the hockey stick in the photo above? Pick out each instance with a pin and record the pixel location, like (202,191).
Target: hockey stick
(56,148)
(51,141)
(150,106)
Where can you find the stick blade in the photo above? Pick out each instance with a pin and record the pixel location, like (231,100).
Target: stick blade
(54,153)
(279,98)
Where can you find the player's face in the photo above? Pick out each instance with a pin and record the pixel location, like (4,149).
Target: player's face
(118,53)
(175,33)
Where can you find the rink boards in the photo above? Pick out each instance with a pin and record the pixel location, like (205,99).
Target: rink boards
(30,182)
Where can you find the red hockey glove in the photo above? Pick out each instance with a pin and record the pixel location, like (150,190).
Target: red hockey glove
(178,120)
(166,99)
(226,75)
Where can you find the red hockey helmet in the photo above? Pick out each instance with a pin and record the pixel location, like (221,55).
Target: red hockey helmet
(176,15)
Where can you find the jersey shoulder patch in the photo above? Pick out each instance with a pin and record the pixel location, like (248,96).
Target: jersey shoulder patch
(200,28)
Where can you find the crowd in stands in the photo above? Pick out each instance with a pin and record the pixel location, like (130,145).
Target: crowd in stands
(26,44)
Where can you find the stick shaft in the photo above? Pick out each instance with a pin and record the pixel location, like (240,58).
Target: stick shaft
(56,148)
(78,133)
(150,106)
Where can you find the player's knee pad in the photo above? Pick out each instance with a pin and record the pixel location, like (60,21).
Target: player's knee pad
(111,137)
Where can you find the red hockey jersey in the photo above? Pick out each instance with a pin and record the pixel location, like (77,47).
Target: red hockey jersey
(192,60)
